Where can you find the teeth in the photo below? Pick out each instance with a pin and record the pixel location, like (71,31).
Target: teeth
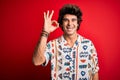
(69,28)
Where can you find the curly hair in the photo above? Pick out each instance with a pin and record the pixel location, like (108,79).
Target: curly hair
(70,9)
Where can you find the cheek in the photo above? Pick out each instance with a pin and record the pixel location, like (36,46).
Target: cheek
(76,25)
(64,23)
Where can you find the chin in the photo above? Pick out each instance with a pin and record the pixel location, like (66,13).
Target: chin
(70,33)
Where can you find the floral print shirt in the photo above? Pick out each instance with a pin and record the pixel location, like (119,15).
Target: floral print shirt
(79,62)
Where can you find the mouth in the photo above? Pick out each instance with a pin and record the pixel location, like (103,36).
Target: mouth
(69,28)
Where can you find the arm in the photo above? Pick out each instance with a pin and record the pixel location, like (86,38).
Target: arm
(95,63)
(38,55)
(95,76)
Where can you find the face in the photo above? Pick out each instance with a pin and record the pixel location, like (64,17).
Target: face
(69,24)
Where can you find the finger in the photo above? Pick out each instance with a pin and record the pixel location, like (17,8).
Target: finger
(51,14)
(47,13)
(44,15)
(55,23)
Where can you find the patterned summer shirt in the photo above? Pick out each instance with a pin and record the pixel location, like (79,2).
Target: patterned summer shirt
(77,63)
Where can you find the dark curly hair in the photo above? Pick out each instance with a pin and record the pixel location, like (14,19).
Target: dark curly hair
(70,9)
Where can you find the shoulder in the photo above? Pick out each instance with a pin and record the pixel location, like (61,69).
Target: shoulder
(84,40)
(58,39)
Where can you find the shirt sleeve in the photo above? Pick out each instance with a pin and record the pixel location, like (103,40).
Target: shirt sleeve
(94,59)
(47,53)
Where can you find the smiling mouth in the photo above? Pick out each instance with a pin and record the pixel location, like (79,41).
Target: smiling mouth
(69,29)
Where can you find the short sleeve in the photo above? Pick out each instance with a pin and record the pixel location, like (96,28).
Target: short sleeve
(47,53)
(94,59)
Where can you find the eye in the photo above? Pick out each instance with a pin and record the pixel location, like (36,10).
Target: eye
(65,19)
(74,19)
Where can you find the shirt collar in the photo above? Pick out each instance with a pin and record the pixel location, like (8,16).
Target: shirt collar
(79,39)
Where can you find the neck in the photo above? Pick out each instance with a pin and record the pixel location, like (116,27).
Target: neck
(70,39)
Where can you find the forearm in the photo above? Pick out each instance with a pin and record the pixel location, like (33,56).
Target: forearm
(95,76)
(38,55)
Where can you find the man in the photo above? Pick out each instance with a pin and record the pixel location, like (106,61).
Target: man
(72,56)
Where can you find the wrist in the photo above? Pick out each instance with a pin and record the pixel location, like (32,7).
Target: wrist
(44,33)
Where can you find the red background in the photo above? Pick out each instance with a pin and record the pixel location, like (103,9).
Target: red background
(21,22)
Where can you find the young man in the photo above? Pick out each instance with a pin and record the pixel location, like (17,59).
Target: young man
(72,56)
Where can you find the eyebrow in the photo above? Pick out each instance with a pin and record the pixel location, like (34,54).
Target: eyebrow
(68,19)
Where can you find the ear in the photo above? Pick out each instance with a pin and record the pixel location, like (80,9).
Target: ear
(77,25)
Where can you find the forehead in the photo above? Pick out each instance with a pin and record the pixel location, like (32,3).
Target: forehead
(70,16)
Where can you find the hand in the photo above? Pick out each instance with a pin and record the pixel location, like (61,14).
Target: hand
(48,23)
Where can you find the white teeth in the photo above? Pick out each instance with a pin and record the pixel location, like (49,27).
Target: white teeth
(69,28)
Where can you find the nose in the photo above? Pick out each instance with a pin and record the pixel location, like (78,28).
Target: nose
(69,22)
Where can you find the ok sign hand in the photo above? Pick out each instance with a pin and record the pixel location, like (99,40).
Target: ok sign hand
(48,23)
